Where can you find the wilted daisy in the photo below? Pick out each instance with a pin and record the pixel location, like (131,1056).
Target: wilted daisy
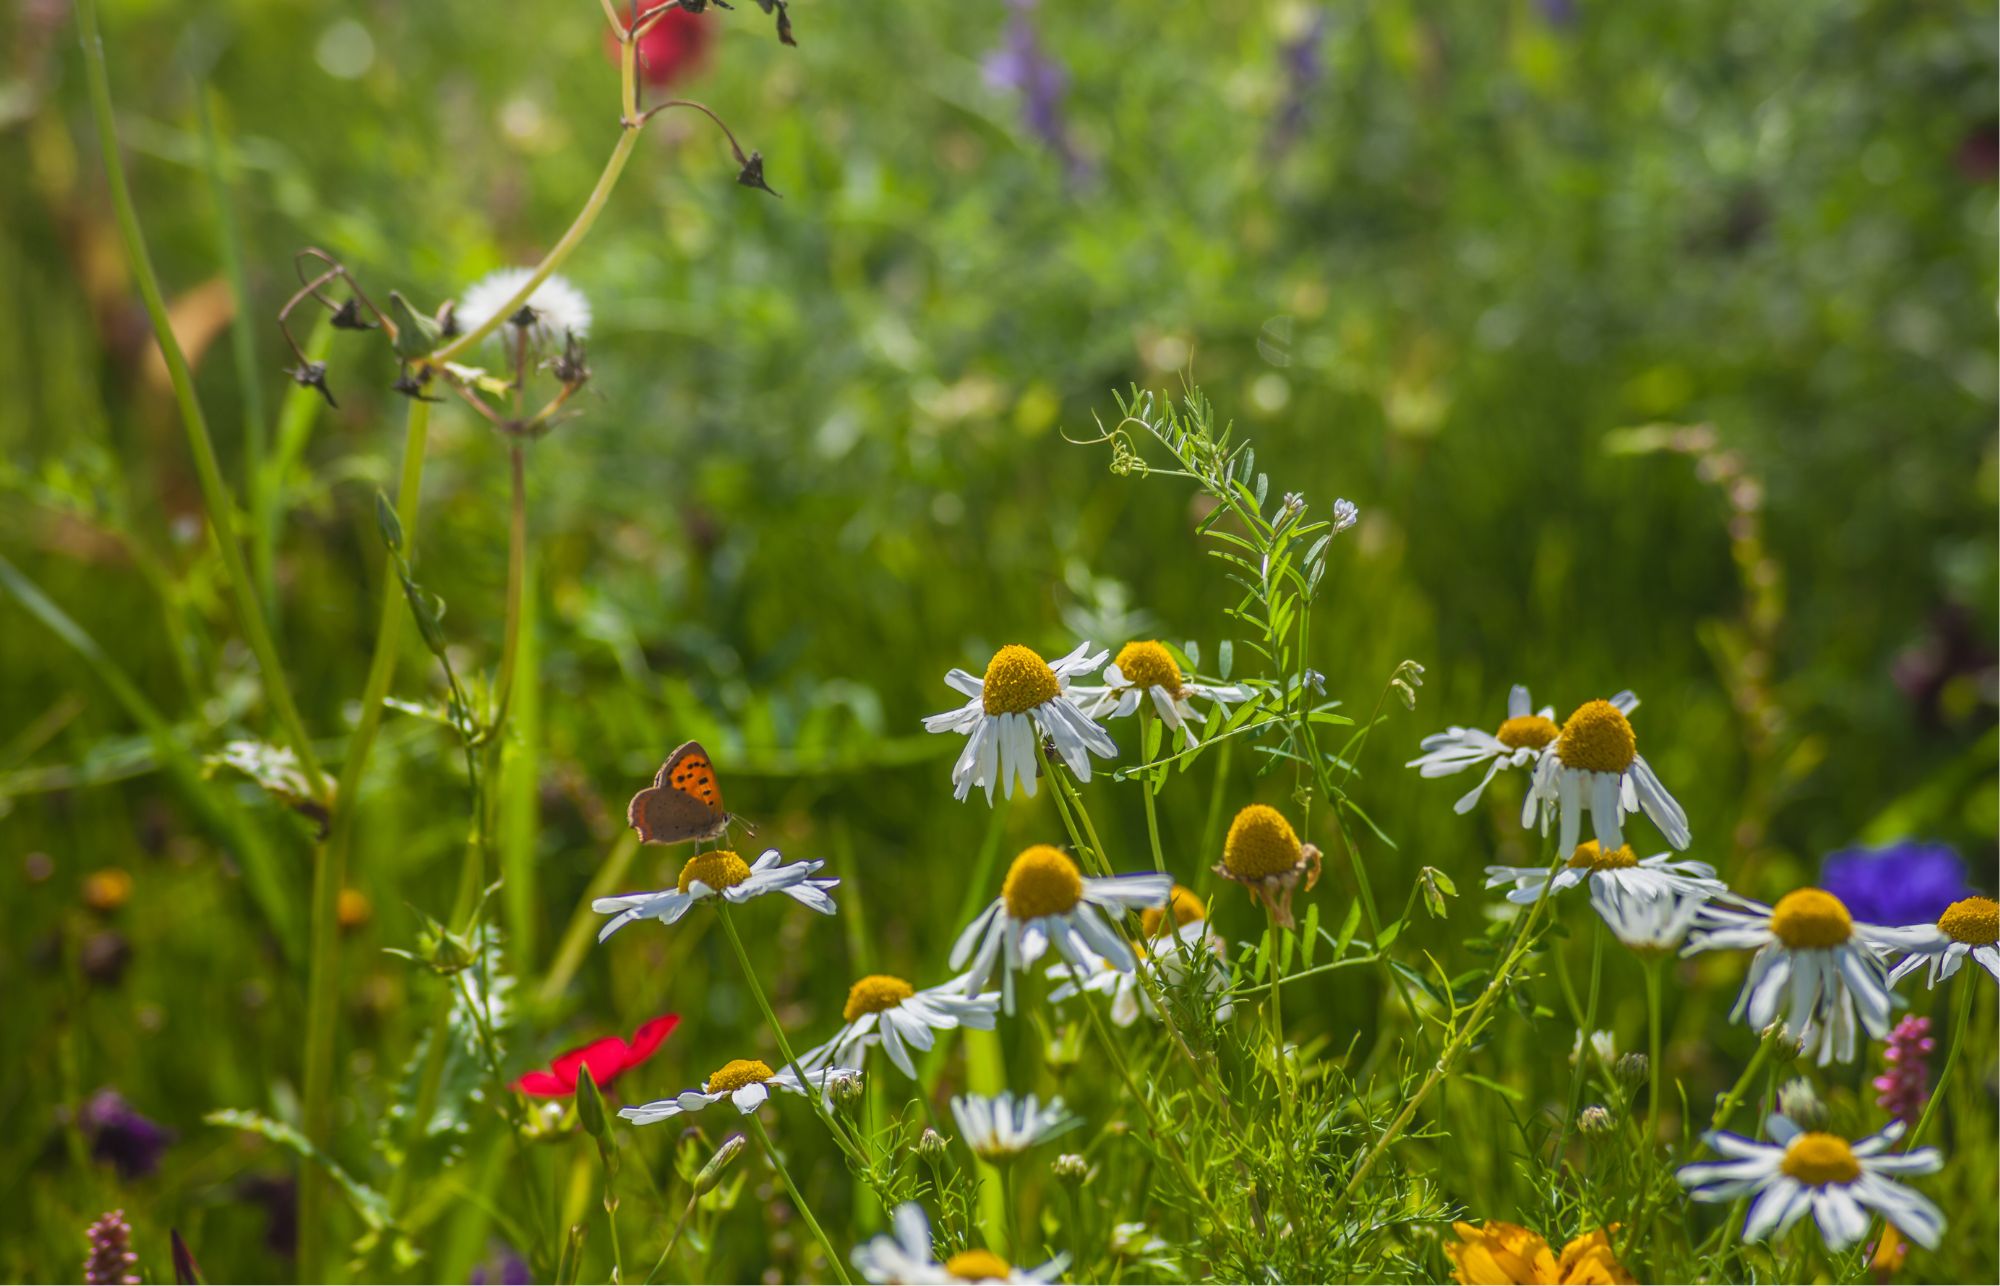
(1837,1182)
(1191,951)
(558,309)
(1968,927)
(887,1011)
(1045,899)
(1595,767)
(1263,854)
(719,873)
(1020,694)
(906,1258)
(1615,876)
(1146,669)
(1813,959)
(1520,740)
(1001,1127)
(1652,926)
(745,1082)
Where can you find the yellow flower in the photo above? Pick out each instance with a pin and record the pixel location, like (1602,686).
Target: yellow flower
(1499,1254)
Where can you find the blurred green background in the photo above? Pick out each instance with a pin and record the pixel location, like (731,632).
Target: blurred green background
(1656,344)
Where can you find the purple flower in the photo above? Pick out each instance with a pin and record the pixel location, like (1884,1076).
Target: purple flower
(1021,65)
(1900,884)
(1904,1088)
(111,1260)
(503,1268)
(1305,68)
(120,1135)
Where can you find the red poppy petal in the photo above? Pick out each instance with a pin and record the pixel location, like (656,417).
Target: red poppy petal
(648,1038)
(605,1058)
(544,1085)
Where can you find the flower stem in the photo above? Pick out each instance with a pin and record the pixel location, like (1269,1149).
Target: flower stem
(1959,1023)
(1653,967)
(1146,785)
(1585,1049)
(798,1199)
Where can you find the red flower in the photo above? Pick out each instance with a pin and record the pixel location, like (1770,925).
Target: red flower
(605,1058)
(673,47)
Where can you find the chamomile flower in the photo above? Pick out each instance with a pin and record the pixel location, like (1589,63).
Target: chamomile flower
(905,1257)
(1001,1127)
(1190,951)
(1615,877)
(558,308)
(1144,670)
(745,1083)
(1045,899)
(887,1011)
(1020,695)
(1520,740)
(1262,853)
(719,873)
(1803,1172)
(1968,927)
(1595,767)
(1813,960)
(1652,926)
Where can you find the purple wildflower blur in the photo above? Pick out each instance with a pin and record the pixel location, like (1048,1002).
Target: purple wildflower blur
(121,1135)
(1021,64)
(1903,883)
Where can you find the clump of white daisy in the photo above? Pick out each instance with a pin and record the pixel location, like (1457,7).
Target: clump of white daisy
(1020,698)
(1519,741)
(1803,1172)
(1968,927)
(746,1083)
(887,1011)
(907,1256)
(1147,670)
(1000,1128)
(555,310)
(1595,767)
(719,873)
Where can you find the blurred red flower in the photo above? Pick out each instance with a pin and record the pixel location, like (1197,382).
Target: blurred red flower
(673,48)
(606,1059)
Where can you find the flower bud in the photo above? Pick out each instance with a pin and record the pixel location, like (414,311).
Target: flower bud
(930,1146)
(1798,1100)
(1631,1069)
(711,1174)
(1594,1119)
(1070,1169)
(590,1106)
(845,1089)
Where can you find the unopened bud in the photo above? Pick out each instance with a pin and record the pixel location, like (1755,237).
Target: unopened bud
(930,1146)
(1071,1169)
(1594,1119)
(711,1174)
(844,1088)
(590,1106)
(1631,1068)
(1798,1101)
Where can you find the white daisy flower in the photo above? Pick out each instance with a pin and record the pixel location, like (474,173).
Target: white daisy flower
(1019,695)
(1837,1182)
(1652,926)
(1520,740)
(1616,877)
(1813,961)
(887,1011)
(1002,1127)
(1191,951)
(745,1082)
(1603,1046)
(1595,766)
(906,1258)
(559,308)
(1968,927)
(1143,670)
(1047,899)
(719,873)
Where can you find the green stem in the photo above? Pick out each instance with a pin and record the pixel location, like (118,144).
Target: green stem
(215,493)
(1584,1048)
(1960,1022)
(798,1199)
(680,1226)
(330,876)
(1727,1108)
(1659,1053)
(1146,784)
(1010,1197)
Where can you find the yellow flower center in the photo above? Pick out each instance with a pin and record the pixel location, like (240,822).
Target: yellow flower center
(108,889)
(1042,881)
(1811,918)
(354,908)
(1148,665)
(1818,1159)
(978,1266)
(735,1074)
(1528,731)
(1017,680)
(1973,920)
(1597,738)
(1187,909)
(719,870)
(1590,857)
(1261,843)
(873,994)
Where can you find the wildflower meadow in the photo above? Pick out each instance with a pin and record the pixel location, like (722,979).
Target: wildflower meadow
(679,641)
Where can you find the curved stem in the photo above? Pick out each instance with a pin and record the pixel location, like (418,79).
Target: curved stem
(798,1199)
(1584,1049)
(1959,1023)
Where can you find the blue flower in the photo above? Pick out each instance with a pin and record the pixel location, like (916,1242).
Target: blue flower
(1899,884)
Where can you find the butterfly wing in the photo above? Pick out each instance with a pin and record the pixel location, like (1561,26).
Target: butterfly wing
(683,803)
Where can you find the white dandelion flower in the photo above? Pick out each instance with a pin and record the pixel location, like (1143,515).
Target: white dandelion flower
(1147,671)
(1968,927)
(746,1083)
(1595,767)
(1803,1172)
(1001,1127)
(722,874)
(1519,741)
(1615,878)
(906,1258)
(1816,969)
(1019,696)
(887,1011)
(559,308)
(1046,899)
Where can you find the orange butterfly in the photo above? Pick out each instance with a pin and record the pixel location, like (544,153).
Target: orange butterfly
(683,803)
